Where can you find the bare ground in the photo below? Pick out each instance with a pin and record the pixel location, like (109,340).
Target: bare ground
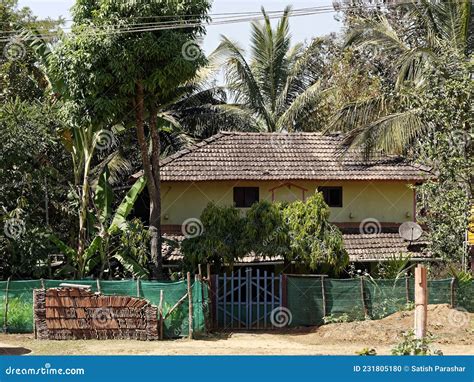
(453,330)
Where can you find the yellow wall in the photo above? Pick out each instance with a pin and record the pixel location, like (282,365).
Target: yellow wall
(388,202)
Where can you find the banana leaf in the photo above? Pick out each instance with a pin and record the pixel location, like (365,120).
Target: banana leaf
(132,266)
(103,196)
(126,206)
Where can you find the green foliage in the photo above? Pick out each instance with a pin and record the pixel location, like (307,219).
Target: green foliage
(314,241)
(34,187)
(277,85)
(449,149)
(367,351)
(266,231)
(101,70)
(409,345)
(298,231)
(20,75)
(354,314)
(20,315)
(220,240)
(393,268)
(100,250)
(424,110)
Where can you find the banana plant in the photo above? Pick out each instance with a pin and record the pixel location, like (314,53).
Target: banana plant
(98,253)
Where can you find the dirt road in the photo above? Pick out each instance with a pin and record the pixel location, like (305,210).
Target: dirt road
(453,330)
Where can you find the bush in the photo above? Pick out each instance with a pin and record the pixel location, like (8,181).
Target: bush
(299,231)
(410,345)
(20,315)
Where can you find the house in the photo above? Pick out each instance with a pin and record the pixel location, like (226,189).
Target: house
(368,200)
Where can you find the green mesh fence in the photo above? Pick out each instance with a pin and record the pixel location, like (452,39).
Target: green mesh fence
(17,296)
(343,299)
(351,299)
(304,300)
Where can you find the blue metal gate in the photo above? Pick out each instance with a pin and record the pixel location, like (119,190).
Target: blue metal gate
(247,299)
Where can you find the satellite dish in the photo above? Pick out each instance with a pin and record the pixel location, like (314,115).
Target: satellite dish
(410,231)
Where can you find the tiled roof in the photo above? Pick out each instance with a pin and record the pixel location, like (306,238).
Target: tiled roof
(361,248)
(281,156)
(382,246)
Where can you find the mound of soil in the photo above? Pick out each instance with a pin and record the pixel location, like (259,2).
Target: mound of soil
(449,326)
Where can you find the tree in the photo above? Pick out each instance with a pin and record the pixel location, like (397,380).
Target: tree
(390,122)
(216,238)
(134,73)
(314,241)
(447,105)
(34,184)
(298,231)
(276,87)
(20,76)
(425,112)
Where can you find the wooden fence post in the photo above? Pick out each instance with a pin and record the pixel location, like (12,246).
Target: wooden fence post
(98,286)
(138,287)
(190,299)
(210,310)
(407,288)
(362,296)
(160,311)
(421,301)
(5,316)
(323,293)
(453,295)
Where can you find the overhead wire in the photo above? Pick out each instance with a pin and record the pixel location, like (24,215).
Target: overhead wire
(183,23)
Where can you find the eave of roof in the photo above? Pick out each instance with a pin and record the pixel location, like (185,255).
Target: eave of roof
(361,248)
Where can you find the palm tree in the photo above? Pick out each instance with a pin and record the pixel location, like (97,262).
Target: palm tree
(390,122)
(276,86)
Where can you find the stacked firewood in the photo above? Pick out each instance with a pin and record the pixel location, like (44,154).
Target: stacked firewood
(70,313)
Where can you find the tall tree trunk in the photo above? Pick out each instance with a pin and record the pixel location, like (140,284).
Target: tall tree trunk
(83,206)
(147,168)
(155,204)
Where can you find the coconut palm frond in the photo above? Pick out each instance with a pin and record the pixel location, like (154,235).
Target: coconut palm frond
(412,65)
(117,165)
(300,74)
(378,34)
(359,114)
(241,80)
(390,134)
(301,107)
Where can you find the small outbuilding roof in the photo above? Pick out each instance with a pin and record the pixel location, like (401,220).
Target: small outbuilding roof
(360,247)
(281,156)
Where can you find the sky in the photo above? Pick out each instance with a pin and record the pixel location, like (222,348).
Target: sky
(303,28)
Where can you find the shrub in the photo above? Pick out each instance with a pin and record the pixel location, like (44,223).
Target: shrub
(410,345)
(367,351)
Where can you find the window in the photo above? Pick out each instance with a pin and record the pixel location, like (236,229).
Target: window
(332,196)
(245,196)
